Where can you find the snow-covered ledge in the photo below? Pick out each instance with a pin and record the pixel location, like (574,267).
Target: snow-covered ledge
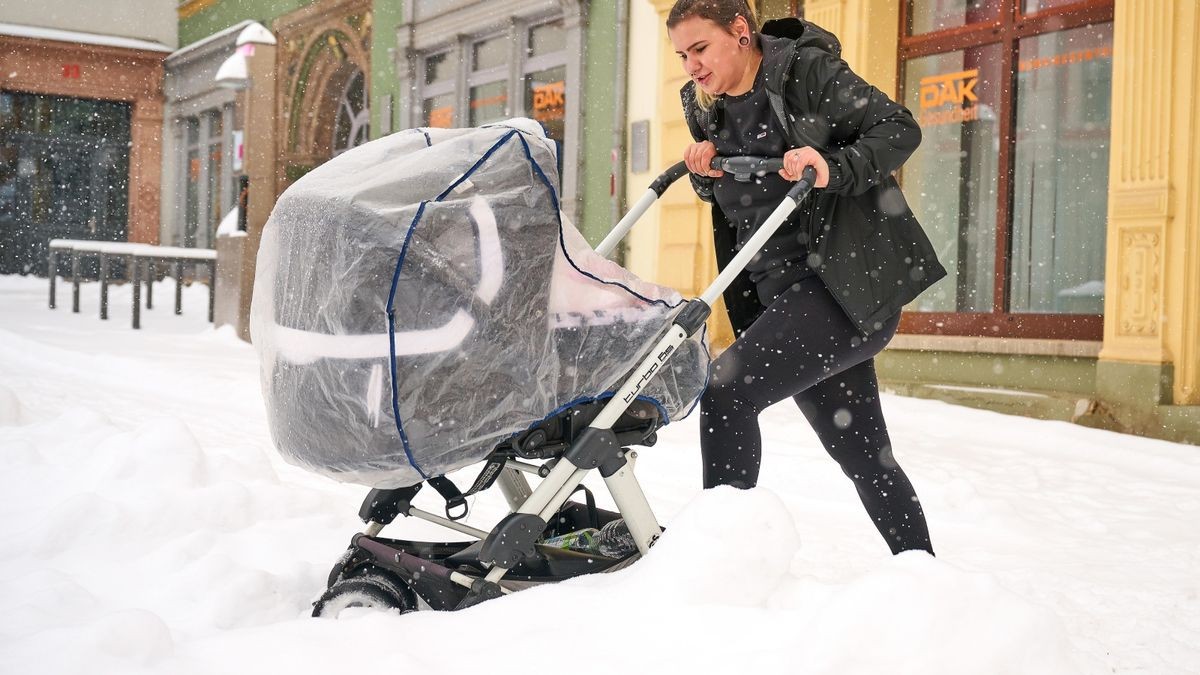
(1088,349)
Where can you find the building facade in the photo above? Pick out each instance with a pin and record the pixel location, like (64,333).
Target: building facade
(1056,180)
(345,71)
(80,124)
(465,63)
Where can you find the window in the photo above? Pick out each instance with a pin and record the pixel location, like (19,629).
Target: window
(488,81)
(926,16)
(204,164)
(1010,181)
(437,109)
(501,80)
(352,125)
(545,77)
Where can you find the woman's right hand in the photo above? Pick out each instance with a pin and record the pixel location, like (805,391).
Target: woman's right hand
(698,158)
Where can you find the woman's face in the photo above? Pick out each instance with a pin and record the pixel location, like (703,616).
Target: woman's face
(710,54)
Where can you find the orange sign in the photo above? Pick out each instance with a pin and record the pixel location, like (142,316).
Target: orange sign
(498,99)
(442,117)
(550,101)
(1064,59)
(951,89)
(957,88)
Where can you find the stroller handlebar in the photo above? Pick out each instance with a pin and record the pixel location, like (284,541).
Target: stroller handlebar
(743,169)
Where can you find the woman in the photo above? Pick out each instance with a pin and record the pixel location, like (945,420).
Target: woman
(824,295)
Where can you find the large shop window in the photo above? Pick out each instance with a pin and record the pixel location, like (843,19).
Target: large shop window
(64,173)
(493,71)
(1011,180)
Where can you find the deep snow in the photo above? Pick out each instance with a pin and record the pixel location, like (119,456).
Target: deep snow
(146,525)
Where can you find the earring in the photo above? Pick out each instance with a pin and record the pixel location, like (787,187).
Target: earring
(744,41)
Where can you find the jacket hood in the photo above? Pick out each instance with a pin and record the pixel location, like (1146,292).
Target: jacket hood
(802,34)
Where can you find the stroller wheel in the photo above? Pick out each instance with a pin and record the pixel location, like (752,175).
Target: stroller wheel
(371,590)
(342,566)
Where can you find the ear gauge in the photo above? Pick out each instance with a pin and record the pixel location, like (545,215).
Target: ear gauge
(744,41)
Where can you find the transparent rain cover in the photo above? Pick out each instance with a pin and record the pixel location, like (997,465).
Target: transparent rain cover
(420,299)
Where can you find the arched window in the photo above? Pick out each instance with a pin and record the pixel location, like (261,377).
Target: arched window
(352,125)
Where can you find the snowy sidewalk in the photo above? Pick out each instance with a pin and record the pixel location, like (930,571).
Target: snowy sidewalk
(146,525)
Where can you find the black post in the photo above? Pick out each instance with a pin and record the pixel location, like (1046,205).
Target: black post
(103,285)
(52,266)
(243,200)
(74,281)
(137,291)
(212,287)
(178,287)
(150,273)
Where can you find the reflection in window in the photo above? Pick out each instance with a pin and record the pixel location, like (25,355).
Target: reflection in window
(951,180)
(1064,89)
(488,103)
(927,16)
(438,111)
(1035,6)
(546,99)
(437,108)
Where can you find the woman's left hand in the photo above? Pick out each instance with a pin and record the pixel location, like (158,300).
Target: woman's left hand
(794,162)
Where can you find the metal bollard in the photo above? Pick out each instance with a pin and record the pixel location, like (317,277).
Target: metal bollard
(52,267)
(178,287)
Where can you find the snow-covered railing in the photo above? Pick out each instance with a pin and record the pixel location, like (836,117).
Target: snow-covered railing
(137,257)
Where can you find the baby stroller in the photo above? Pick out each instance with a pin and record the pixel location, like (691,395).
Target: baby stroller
(422,305)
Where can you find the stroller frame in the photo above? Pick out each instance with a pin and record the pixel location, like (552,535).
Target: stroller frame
(395,573)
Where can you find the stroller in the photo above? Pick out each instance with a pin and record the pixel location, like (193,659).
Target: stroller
(421,305)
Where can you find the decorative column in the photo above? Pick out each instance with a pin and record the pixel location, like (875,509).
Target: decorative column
(145,169)
(869,32)
(261,166)
(1153,262)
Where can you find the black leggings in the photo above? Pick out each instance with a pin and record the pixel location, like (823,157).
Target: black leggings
(805,347)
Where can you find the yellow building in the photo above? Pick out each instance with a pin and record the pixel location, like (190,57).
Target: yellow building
(1059,180)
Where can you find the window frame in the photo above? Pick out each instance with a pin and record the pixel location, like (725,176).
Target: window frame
(1008,29)
(492,75)
(530,65)
(465,75)
(428,90)
(205,236)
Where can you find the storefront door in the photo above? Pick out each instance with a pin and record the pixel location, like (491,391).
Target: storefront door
(64,173)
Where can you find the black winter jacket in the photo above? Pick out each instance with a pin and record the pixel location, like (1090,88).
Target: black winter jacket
(870,251)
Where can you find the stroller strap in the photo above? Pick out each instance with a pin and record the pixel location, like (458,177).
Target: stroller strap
(456,499)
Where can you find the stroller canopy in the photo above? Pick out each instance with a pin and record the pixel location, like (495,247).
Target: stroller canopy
(420,299)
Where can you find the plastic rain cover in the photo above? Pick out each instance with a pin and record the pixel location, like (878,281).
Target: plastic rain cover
(420,298)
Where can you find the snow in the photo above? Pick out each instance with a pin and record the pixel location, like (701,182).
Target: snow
(78,37)
(147,526)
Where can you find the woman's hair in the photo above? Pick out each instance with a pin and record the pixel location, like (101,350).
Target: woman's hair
(720,12)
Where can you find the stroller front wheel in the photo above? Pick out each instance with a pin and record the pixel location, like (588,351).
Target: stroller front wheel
(369,590)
